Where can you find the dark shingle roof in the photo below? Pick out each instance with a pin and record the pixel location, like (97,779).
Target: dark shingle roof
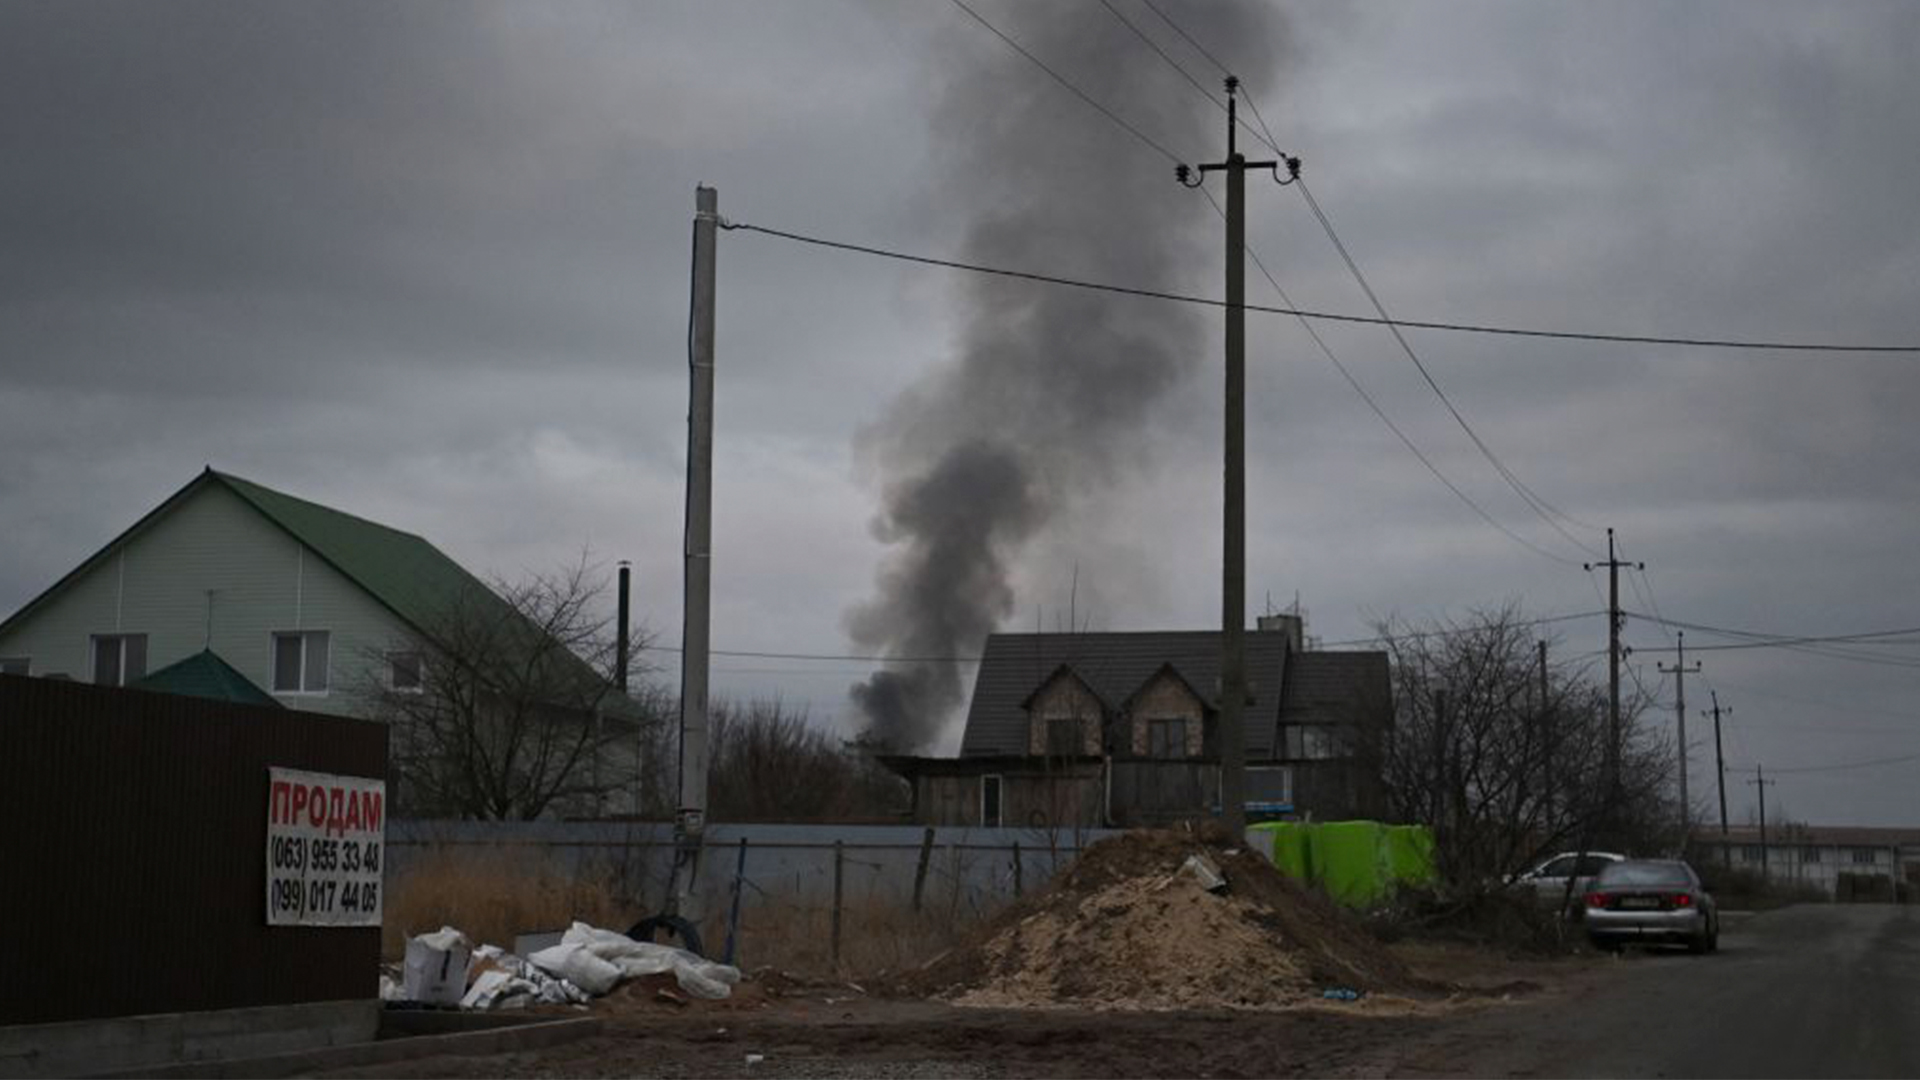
(1297,688)
(205,675)
(1114,666)
(1335,687)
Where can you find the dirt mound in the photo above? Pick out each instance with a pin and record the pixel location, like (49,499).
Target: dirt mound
(1127,928)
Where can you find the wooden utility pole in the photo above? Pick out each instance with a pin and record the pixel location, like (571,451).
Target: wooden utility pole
(1233,576)
(1719,762)
(1615,623)
(1679,672)
(1760,781)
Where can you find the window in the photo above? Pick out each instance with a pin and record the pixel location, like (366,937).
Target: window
(119,659)
(1750,852)
(300,662)
(1810,854)
(15,665)
(1559,867)
(1865,854)
(1167,738)
(404,672)
(1063,738)
(990,802)
(1312,742)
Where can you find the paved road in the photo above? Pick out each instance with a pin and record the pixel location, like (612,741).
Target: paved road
(1829,990)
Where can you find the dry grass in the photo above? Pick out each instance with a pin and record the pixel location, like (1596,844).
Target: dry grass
(491,897)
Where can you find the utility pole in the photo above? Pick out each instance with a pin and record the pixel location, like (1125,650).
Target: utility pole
(690,819)
(1545,723)
(1615,623)
(1233,583)
(1760,781)
(1679,672)
(1719,762)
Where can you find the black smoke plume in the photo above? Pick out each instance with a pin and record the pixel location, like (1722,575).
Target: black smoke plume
(1047,407)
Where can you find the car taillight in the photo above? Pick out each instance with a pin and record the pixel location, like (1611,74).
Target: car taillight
(1682,899)
(1597,899)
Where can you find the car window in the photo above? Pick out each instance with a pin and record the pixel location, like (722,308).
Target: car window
(1559,867)
(1595,864)
(1645,873)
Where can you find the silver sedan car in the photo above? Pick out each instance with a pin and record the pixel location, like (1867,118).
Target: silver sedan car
(1651,901)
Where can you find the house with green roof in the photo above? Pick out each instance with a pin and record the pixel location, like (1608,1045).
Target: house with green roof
(307,603)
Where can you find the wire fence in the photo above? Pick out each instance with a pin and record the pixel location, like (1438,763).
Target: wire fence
(804,898)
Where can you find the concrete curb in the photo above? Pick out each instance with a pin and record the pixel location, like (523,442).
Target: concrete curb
(493,1040)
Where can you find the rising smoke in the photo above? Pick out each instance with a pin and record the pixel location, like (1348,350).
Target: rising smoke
(1045,411)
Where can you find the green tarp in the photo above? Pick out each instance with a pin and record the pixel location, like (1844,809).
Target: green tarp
(1358,863)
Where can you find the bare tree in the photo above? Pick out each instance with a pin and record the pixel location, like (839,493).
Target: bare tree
(502,706)
(771,764)
(1503,768)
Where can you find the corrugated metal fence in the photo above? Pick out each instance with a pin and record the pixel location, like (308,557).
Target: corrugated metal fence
(132,854)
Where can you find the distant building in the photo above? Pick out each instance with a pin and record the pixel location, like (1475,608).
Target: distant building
(1846,862)
(1123,729)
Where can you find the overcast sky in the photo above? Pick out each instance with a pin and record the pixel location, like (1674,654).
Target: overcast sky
(428,264)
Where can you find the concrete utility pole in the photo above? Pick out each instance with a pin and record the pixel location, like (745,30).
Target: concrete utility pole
(1679,672)
(689,823)
(1615,623)
(1760,781)
(1719,762)
(1233,577)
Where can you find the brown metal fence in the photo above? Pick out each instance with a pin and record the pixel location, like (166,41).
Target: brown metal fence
(133,831)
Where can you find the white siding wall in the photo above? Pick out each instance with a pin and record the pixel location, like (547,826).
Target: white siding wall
(156,584)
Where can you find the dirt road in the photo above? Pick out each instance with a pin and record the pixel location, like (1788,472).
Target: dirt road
(1814,990)
(1822,990)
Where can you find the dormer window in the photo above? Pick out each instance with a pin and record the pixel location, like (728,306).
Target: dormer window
(1167,738)
(1065,717)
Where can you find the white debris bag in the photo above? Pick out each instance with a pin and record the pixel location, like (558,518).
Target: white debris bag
(526,985)
(696,975)
(576,964)
(435,971)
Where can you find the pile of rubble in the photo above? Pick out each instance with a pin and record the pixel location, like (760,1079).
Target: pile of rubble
(444,969)
(1166,920)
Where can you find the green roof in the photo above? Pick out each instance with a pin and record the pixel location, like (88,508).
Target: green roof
(411,577)
(205,675)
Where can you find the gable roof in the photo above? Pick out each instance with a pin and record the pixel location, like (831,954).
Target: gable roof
(205,675)
(1114,666)
(401,571)
(1283,686)
(1064,670)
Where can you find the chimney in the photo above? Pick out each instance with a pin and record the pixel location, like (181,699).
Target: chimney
(620,633)
(1294,626)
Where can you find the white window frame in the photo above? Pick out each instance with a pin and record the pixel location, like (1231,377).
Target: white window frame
(24,663)
(420,671)
(302,683)
(93,657)
(1865,856)
(1000,784)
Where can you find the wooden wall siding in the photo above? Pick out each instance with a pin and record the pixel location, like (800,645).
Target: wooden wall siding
(1150,792)
(1065,697)
(1068,797)
(1166,697)
(262,582)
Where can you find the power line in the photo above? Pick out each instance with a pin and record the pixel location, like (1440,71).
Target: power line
(1259,134)
(1761,639)
(1869,763)
(1405,440)
(1072,89)
(1268,309)
(1538,505)
(1542,621)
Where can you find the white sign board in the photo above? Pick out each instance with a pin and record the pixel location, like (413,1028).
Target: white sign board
(326,840)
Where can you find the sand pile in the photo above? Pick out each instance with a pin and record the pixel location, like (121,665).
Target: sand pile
(1126,928)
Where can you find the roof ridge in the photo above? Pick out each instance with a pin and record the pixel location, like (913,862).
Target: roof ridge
(239,482)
